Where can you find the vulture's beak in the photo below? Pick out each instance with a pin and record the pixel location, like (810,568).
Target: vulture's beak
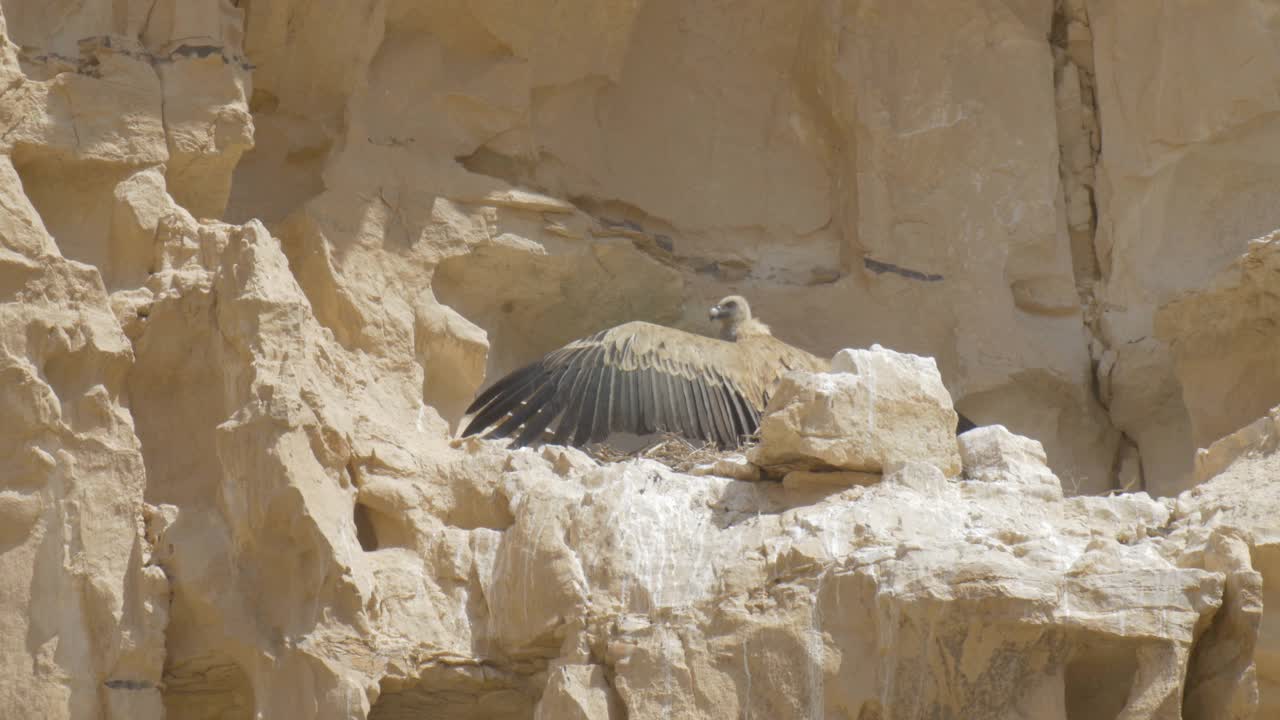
(717,312)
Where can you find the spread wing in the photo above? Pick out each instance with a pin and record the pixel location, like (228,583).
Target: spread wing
(638,378)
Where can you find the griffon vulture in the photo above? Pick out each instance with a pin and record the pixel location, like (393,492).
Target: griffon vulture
(642,378)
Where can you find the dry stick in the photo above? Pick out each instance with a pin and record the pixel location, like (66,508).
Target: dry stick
(670,449)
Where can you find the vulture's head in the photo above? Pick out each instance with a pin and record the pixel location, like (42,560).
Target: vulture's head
(731,309)
(735,318)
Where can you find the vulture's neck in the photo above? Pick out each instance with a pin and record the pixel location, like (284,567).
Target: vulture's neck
(750,327)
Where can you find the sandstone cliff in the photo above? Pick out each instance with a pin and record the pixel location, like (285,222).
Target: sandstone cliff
(256,256)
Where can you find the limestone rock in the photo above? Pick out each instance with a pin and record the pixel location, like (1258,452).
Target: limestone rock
(797,479)
(483,583)
(875,408)
(1184,182)
(992,453)
(735,466)
(1222,346)
(84,614)
(1230,519)
(544,194)
(578,692)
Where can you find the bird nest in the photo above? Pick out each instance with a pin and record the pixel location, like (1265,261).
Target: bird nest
(674,451)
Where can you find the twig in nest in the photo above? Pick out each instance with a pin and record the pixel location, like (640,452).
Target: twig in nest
(670,449)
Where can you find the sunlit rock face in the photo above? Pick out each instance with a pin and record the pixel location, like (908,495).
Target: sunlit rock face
(875,409)
(256,258)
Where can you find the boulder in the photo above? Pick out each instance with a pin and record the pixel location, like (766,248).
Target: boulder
(993,454)
(875,408)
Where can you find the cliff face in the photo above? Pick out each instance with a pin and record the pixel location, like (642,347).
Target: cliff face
(255,258)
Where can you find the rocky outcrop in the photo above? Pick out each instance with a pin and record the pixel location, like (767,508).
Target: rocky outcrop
(678,153)
(1186,180)
(1223,345)
(876,409)
(255,258)
(324,562)
(1234,506)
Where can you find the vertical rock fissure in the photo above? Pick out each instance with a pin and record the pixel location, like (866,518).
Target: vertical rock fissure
(1080,149)
(1079,136)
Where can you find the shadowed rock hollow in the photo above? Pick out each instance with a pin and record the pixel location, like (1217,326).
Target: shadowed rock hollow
(256,257)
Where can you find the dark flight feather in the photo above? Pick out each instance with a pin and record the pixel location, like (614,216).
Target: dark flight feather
(640,378)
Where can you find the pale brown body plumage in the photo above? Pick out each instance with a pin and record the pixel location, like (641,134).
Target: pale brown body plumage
(642,378)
